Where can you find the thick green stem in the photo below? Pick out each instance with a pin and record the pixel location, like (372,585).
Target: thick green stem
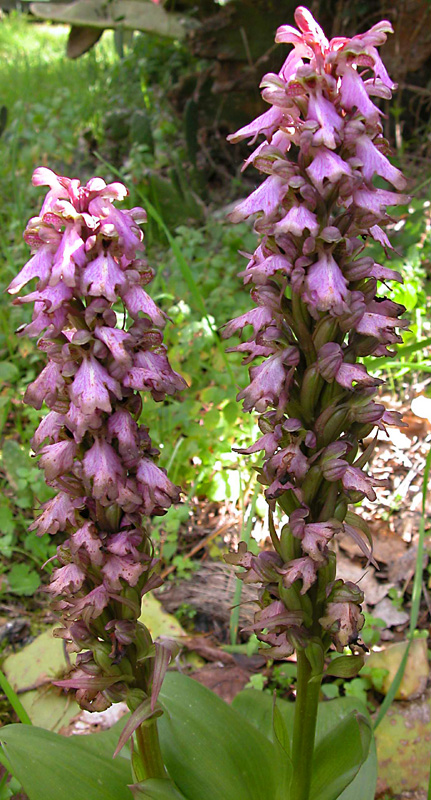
(307,698)
(147,739)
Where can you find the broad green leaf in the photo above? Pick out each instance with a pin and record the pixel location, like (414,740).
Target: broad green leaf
(363,785)
(281,733)
(43,762)
(345,666)
(7,521)
(210,750)
(339,756)
(257,708)
(155,789)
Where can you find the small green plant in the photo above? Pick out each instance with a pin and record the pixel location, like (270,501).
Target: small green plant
(283,677)
(397,597)
(185,615)
(371,630)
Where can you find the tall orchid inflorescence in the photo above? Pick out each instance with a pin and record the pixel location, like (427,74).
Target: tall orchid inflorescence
(102,336)
(316,313)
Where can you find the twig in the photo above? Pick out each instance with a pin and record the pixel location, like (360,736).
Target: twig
(197,547)
(30,688)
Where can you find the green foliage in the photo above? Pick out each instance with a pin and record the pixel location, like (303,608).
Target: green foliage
(370,633)
(210,750)
(411,238)
(156,789)
(123,113)
(43,761)
(338,743)
(23,487)
(358,687)
(283,677)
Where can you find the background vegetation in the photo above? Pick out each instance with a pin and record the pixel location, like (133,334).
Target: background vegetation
(150,117)
(122,117)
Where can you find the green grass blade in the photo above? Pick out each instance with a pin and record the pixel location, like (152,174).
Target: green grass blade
(416,599)
(418,366)
(245,537)
(14,700)
(404,350)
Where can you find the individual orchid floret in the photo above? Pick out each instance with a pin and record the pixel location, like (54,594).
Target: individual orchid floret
(342,617)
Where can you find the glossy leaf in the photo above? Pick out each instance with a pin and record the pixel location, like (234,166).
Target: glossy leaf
(43,761)
(155,789)
(256,707)
(345,666)
(330,713)
(339,756)
(210,750)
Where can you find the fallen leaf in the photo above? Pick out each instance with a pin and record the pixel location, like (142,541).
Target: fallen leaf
(389,613)
(35,666)
(416,673)
(402,569)
(403,741)
(373,589)
(157,620)
(224,681)
(387,546)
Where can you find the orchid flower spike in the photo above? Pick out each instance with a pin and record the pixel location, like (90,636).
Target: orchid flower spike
(321,304)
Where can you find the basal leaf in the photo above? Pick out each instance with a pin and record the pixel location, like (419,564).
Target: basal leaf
(364,784)
(210,750)
(257,709)
(339,756)
(155,789)
(43,762)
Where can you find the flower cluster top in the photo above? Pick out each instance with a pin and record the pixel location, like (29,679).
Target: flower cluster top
(323,195)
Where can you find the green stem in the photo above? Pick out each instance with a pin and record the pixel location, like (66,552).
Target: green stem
(304,729)
(147,739)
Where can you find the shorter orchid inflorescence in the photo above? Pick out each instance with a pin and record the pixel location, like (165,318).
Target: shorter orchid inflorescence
(102,336)
(317,312)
